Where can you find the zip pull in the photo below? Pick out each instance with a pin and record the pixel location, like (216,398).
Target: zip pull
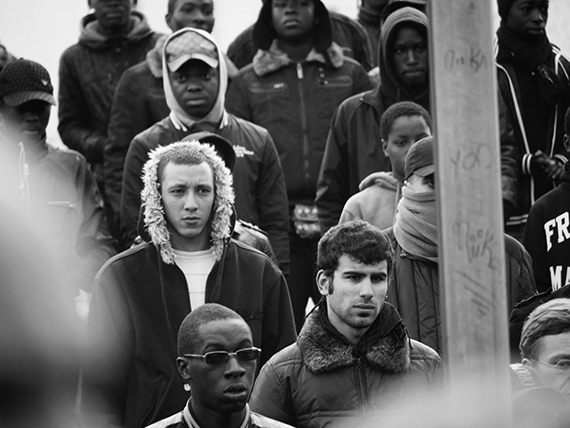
(300,71)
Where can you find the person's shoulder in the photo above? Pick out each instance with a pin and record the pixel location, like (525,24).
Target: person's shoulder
(68,156)
(420,351)
(152,136)
(174,421)
(291,355)
(260,421)
(343,21)
(354,101)
(237,124)
(140,69)
(247,252)
(128,259)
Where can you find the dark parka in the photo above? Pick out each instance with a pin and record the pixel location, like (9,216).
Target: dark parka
(414,290)
(295,102)
(322,380)
(88,74)
(354,144)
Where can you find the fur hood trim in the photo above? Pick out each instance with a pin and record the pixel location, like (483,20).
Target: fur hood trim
(273,59)
(153,209)
(323,352)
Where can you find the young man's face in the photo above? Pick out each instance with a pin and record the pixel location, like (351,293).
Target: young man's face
(188,197)
(419,184)
(112,14)
(410,56)
(192,13)
(406,130)
(221,389)
(195,86)
(26,123)
(355,293)
(552,349)
(528,17)
(293,19)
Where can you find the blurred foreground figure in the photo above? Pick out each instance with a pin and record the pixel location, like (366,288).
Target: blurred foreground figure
(353,354)
(38,331)
(217,362)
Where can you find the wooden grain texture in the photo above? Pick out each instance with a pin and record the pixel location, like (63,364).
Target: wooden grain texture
(472,260)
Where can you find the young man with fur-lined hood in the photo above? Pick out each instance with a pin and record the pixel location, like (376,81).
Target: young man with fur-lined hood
(141,296)
(353,353)
(297,79)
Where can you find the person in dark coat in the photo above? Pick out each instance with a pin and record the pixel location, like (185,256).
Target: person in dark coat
(217,362)
(113,38)
(187,259)
(534,93)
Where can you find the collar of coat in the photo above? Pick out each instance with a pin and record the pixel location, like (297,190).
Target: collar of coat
(324,349)
(265,62)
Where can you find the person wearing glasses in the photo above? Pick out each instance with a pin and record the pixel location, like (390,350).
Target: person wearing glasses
(142,295)
(217,362)
(353,353)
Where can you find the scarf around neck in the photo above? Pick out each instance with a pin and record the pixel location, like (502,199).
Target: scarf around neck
(416,224)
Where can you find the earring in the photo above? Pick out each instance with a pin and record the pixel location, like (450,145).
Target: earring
(187,387)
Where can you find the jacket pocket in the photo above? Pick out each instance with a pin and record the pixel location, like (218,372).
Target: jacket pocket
(267,88)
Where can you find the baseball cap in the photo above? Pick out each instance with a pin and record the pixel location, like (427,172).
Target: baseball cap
(186,45)
(223,147)
(23,80)
(419,159)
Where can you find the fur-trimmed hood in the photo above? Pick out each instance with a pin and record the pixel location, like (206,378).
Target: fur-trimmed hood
(324,351)
(89,36)
(268,61)
(153,209)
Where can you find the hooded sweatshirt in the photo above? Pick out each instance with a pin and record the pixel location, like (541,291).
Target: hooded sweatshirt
(354,149)
(258,177)
(376,204)
(88,75)
(141,296)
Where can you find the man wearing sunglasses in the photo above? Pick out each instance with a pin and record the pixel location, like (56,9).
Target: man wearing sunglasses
(141,297)
(217,362)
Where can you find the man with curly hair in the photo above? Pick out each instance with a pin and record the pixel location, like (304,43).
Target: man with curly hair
(188,258)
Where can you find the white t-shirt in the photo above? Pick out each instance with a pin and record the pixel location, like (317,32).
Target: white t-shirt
(196,267)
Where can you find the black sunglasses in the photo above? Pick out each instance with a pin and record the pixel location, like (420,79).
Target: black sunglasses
(222,357)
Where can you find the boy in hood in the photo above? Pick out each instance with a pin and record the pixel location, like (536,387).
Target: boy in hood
(401,125)
(195,85)
(142,295)
(53,186)
(353,149)
(113,37)
(533,79)
(297,79)
(139,100)
(547,231)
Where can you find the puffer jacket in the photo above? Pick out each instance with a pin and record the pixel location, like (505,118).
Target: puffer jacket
(414,290)
(258,179)
(57,188)
(515,157)
(88,75)
(321,380)
(346,32)
(140,298)
(354,144)
(295,102)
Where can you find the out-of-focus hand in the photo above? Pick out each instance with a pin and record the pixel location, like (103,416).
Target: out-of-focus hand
(553,169)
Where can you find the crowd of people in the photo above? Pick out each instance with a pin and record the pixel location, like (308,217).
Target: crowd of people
(204,199)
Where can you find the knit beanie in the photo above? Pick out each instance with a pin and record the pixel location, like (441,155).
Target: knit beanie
(504,6)
(264,33)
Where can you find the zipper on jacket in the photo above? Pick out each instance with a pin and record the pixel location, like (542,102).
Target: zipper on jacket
(361,383)
(303,108)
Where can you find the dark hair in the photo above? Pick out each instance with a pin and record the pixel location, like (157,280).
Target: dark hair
(357,239)
(403,108)
(188,334)
(550,318)
(567,122)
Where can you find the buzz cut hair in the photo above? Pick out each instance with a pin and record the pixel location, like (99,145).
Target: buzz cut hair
(357,239)
(189,337)
(402,108)
(550,318)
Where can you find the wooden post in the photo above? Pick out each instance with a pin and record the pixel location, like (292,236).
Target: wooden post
(471,243)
